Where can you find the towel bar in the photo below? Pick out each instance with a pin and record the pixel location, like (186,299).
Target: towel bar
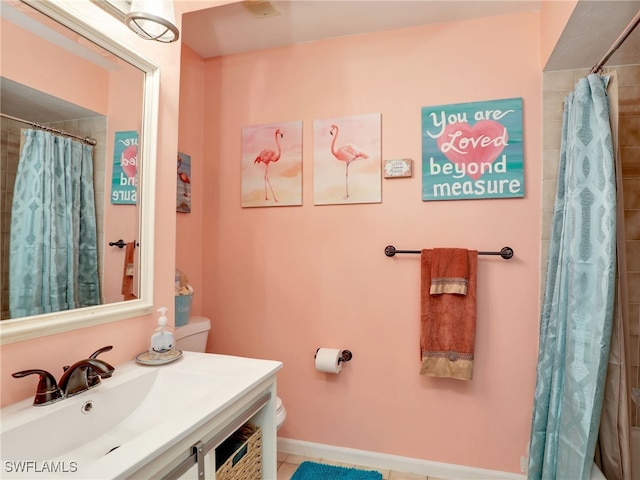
(506,252)
(121,244)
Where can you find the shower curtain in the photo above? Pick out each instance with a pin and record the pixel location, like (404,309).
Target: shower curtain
(577,310)
(53,262)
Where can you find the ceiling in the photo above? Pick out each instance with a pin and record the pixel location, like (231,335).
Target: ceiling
(235,28)
(593,27)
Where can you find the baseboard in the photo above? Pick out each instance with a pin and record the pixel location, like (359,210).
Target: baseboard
(391,462)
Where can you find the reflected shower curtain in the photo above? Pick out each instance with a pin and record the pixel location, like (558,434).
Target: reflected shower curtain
(53,263)
(577,311)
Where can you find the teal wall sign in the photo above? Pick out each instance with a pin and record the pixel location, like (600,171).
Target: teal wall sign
(124,181)
(473,150)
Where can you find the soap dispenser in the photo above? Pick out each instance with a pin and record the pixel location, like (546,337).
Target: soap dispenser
(162,339)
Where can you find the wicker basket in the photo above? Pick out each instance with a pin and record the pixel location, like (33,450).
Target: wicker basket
(240,456)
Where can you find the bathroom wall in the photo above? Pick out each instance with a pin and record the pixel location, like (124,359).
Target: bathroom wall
(279,282)
(629,93)
(554,16)
(9,152)
(189,226)
(556,85)
(129,337)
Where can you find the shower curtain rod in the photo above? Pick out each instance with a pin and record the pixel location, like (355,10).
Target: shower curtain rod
(619,41)
(88,140)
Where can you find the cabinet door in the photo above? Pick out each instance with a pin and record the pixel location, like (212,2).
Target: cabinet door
(209,465)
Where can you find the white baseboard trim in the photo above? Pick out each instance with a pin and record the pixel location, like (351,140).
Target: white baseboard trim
(384,461)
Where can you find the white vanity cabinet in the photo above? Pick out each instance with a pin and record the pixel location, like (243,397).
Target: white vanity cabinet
(192,456)
(195,455)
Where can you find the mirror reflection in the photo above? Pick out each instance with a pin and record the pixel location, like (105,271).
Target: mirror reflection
(69,166)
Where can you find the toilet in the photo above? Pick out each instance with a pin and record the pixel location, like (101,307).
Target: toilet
(281,413)
(192,337)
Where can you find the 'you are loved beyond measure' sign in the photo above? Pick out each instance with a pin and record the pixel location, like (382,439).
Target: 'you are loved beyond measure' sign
(473,150)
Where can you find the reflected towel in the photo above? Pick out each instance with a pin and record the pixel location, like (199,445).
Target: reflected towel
(448,323)
(449,271)
(127,274)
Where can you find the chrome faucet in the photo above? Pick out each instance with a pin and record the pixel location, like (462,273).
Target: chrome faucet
(77,378)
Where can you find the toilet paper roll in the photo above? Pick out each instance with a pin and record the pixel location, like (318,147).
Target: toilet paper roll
(328,360)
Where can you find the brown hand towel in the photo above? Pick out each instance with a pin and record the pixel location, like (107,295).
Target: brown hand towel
(449,271)
(448,321)
(127,274)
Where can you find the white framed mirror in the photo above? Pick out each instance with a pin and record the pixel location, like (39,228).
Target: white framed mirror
(79,19)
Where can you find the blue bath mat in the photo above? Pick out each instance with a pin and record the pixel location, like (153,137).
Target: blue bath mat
(320,471)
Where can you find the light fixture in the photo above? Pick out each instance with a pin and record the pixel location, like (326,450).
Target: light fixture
(153,20)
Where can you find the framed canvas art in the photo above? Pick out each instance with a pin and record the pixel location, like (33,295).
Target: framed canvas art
(272,165)
(347,165)
(473,150)
(183,195)
(124,181)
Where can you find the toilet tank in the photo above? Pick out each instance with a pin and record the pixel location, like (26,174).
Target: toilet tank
(192,337)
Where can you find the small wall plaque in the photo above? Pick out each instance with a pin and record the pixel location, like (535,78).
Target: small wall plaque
(396,168)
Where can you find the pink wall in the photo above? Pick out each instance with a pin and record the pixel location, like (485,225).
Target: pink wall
(554,16)
(280,282)
(120,221)
(57,62)
(129,337)
(189,240)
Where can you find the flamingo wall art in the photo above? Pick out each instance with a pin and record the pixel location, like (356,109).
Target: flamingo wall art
(347,165)
(183,197)
(272,165)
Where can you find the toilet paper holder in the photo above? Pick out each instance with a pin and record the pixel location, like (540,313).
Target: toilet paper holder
(346,355)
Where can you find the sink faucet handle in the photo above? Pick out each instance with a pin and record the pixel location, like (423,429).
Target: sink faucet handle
(47,391)
(101,350)
(93,377)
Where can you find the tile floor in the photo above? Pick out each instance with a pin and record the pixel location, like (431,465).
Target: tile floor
(288,463)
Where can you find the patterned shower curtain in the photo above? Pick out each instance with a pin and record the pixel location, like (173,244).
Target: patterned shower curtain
(53,262)
(577,311)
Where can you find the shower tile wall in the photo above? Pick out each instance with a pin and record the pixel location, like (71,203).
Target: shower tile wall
(556,85)
(9,148)
(9,157)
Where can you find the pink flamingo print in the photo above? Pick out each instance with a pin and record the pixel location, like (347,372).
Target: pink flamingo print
(267,156)
(186,181)
(346,153)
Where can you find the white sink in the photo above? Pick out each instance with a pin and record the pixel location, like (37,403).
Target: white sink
(132,416)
